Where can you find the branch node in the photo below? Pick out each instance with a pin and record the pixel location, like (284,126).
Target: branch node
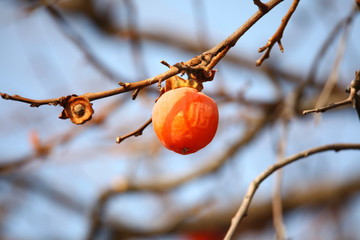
(263,57)
(262,6)
(351,99)
(276,38)
(4,96)
(124,85)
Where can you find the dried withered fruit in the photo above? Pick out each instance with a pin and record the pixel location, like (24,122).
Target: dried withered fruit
(78,109)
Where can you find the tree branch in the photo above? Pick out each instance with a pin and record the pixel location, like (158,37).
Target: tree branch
(98,95)
(135,133)
(353,98)
(331,106)
(334,74)
(315,196)
(233,38)
(242,211)
(310,79)
(202,63)
(276,38)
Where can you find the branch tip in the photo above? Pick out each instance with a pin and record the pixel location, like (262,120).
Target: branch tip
(135,94)
(135,133)
(276,38)
(165,63)
(119,140)
(124,85)
(280,46)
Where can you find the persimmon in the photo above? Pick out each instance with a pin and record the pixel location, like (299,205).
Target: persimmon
(185,120)
(205,235)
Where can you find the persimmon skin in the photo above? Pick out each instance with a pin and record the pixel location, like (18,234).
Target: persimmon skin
(185,120)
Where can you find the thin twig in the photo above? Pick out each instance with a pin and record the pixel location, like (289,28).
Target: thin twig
(217,58)
(333,77)
(135,93)
(351,99)
(321,53)
(135,133)
(178,41)
(32,102)
(98,95)
(242,210)
(276,38)
(331,106)
(234,37)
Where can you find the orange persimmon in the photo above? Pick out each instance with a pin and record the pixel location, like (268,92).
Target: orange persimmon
(185,120)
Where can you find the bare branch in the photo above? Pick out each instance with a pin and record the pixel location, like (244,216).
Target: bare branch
(32,102)
(233,38)
(333,77)
(98,95)
(316,195)
(352,99)
(331,106)
(204,62)
(321,53)
(242,211)
(276,38)
(135,133)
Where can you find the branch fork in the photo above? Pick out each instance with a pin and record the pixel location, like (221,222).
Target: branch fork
(198,68)
(262,6)
(353,98)
(276,38)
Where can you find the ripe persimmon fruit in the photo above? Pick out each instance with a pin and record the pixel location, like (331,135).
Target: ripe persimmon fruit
(185,120)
